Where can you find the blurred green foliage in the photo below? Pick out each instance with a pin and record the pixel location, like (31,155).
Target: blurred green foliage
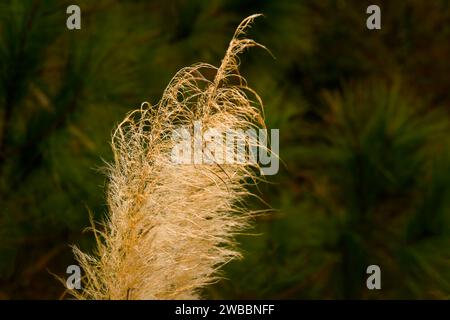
(364,129)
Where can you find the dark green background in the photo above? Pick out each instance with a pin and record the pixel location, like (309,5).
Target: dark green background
(364,134)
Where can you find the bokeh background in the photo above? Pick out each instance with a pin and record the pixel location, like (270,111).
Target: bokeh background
(364,128)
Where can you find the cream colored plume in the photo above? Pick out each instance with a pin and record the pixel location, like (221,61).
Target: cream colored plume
(171,226)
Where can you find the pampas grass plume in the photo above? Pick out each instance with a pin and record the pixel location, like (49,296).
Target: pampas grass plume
(171,227)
